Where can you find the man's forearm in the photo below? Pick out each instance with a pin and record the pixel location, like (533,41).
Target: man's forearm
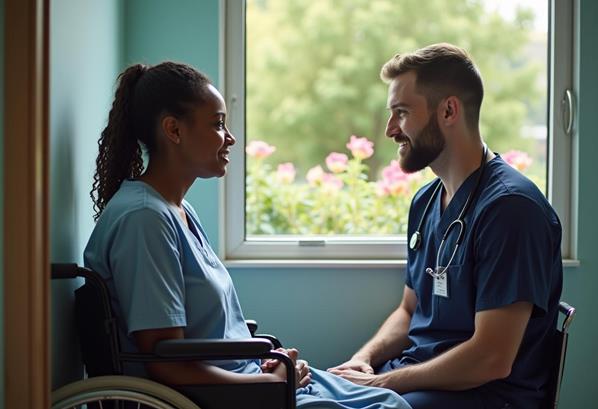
(488,355)
(464,367)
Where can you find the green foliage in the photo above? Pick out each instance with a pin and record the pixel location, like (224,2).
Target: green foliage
(313,70)
(340,203)
(319,208)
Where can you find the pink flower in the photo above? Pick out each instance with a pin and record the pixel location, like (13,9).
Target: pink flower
(393,172)
(517,159)
(331,183)
(381,188)
(337,162)
(394,181)
(394,188)
(286,173)
(361,148)
(315,175)
(259,149)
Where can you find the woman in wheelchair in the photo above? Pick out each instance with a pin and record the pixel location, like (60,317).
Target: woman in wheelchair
(150,248)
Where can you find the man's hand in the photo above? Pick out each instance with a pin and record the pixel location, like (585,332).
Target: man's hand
(358,377)
(354,364)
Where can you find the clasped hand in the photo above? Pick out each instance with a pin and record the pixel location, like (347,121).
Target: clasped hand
(302,372)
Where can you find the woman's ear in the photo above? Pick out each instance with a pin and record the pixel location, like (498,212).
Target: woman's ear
(171,128)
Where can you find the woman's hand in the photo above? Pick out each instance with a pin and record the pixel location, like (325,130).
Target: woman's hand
(302,371)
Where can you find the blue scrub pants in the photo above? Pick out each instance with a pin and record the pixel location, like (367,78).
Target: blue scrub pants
(432,399)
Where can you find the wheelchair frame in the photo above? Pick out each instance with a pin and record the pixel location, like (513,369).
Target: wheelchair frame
(260,347)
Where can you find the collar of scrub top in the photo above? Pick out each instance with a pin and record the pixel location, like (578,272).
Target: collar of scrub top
(416,238)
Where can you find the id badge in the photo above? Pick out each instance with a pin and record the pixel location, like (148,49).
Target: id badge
(441,285)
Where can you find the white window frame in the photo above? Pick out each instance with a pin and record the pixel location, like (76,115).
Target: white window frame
(376,250)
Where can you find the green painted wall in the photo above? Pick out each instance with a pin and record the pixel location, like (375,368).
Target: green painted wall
(581,284)
(1,204)
(184,31)
(85,59)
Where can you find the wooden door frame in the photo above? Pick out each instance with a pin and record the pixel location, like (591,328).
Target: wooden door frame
(26,222)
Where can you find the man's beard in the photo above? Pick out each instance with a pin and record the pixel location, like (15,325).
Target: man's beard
(424,147)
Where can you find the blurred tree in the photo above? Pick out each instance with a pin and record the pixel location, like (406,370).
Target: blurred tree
(313,70)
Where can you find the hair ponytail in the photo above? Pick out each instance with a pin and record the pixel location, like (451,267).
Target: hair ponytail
(120,155)
(143,94)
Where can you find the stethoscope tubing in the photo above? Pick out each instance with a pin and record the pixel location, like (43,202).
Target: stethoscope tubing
(416,237)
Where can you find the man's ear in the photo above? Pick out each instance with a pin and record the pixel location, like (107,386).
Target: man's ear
(171,128)
(451,110)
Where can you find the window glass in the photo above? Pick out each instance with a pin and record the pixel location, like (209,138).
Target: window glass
(317,160)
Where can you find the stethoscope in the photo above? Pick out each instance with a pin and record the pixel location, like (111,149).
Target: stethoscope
(416,238)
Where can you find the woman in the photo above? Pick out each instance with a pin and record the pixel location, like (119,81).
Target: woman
(149,246)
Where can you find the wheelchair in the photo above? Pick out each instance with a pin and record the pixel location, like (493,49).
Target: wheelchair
(559,352)
(107,387)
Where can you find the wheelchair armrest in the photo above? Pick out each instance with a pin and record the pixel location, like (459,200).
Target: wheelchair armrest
(275,342)
(251,326)
(212,348)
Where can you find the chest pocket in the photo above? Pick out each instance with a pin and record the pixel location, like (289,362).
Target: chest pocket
(458,309)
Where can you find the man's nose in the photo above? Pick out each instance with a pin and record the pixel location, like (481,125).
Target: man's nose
(392,126)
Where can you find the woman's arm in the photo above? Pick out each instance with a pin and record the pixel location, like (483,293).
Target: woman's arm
(193,372)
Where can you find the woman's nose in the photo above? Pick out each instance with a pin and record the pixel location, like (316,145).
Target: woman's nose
(231,137)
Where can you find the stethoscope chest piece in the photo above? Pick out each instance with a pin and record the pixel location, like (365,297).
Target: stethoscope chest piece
(415,240)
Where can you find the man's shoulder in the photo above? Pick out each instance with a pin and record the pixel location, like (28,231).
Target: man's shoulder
(506,185)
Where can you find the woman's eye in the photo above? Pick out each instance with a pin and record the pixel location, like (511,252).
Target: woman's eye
(220,124)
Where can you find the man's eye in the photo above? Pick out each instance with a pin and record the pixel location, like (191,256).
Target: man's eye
(220,124)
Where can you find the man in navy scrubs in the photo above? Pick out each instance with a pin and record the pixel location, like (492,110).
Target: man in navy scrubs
(475,326)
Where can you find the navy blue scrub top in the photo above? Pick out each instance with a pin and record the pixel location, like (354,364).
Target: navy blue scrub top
(510,252)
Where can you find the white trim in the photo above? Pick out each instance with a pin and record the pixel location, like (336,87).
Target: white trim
(399,265)
(561,178)
(330,251)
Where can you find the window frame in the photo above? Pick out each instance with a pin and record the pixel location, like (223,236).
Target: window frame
(378,250)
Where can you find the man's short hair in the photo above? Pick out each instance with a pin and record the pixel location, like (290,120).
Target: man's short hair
(441,70)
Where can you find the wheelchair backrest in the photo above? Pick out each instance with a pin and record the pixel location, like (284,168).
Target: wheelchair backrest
(97,331)
(559,354)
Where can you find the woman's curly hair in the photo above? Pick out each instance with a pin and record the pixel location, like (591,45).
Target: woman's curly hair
(143,94)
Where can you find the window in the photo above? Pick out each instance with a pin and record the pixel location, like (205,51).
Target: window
(313,177)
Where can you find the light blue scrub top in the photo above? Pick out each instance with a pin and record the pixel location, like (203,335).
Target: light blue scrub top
(162,274)
(511,252)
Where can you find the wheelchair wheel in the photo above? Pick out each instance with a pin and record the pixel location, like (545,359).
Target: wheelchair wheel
(118,392)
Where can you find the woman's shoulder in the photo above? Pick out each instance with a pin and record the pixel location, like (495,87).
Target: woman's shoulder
(136,199)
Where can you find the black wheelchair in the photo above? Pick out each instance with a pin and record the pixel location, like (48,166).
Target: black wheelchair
(107,387)
(559,354)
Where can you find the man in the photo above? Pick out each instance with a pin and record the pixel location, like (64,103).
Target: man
(475,326)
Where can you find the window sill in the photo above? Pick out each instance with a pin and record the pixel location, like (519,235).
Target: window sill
(382,264)
(360,264)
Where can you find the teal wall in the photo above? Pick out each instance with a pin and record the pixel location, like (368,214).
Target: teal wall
(156,31)
(1,204)
(85,58)
(581,284)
